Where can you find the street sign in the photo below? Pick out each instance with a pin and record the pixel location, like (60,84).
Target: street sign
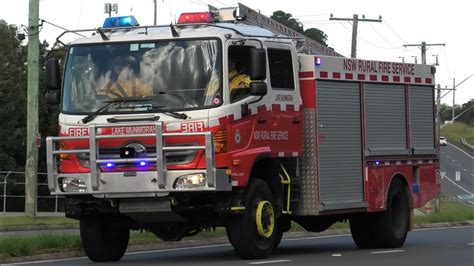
(458,175)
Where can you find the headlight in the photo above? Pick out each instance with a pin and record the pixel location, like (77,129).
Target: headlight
(72,184)
(190,181)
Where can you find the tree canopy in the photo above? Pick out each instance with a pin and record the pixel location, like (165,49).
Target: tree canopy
(13,96)
(288,20)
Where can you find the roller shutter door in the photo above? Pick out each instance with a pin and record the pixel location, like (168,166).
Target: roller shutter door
(385,119)
(421,119)
(340,148)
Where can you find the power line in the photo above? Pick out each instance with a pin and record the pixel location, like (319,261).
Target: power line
(391,29)
(383,38)
(367,42)
(355,21)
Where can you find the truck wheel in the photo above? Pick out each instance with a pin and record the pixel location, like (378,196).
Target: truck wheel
(103,240)
(392,225)
(362,232)
(253,233)
(278,237)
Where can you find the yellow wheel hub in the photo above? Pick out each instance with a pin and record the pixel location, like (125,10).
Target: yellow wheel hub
(265,219)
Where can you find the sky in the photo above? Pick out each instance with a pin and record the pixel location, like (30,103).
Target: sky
(403,22)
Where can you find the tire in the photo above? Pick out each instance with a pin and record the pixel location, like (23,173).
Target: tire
(243,232)
(362,231)
(392,225)
(387,229)
(103,240)
(278,237)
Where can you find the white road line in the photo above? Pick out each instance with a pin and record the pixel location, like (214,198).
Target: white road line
(470,244)
(441,228)
(461,150)
(337,255)
(315,237)
(463,189)
(220,245)
(268,262)
(387,251)
(47,261)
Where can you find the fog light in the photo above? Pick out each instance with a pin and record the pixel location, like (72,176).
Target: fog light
(72,184)
(190,181)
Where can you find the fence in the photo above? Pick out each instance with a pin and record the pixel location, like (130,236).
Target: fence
(12,198)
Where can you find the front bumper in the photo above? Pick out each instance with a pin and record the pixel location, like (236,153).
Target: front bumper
(134,184)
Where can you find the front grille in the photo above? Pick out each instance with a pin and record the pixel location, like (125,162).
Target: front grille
(172,157)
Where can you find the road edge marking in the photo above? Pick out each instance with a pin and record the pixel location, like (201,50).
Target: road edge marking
(461,150)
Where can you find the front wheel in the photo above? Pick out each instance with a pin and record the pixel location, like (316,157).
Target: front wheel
(103,240)
(253,233)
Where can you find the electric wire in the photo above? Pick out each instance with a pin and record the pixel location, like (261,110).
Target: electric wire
(383,38)
(391,29)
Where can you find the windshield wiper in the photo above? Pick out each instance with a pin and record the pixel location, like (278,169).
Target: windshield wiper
(173,114)
(107,105)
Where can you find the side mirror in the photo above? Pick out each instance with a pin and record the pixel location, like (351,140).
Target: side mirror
(258,64)
(258,88)
(53,80)
(53,97)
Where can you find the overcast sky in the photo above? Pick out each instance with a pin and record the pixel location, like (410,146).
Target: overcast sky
(404,22)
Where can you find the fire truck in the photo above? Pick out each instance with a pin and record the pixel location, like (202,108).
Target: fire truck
(163,144)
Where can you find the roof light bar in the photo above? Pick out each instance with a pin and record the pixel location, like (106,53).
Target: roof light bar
(196,17)
(118,22)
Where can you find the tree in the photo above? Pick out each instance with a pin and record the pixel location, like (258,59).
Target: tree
(317,35)
(12,99)
(13,96)
(288,20)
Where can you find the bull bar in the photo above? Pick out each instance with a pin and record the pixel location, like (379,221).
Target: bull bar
(143,183)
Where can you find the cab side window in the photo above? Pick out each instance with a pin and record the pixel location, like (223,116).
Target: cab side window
(281,69)
(239,80)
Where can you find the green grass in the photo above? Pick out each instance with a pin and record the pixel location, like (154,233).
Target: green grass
(450,212)
(458,130)
(25,221)
(14,246)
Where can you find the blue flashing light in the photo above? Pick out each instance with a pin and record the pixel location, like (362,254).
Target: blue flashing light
(377,162)
(109,165)
(142,163)
(317,61)
(117,22)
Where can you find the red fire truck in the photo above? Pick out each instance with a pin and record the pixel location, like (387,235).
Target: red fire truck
(152,137)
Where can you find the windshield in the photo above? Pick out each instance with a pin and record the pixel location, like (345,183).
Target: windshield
(174,75)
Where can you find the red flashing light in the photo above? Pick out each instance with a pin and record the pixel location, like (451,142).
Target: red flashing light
(197,17)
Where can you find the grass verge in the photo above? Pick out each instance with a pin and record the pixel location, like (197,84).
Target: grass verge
(27,221)
(458,130)
(15,246)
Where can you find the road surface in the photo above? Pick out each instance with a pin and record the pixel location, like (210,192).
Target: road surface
(436,246)
(455,160)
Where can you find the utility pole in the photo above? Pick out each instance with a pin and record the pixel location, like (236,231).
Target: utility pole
(424,46)
(355,21)
(109,8)
(454,97)
(31,167)
(155,12)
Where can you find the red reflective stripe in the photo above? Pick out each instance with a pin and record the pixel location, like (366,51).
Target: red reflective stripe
(417,80)
(396,78)
(306,74)
(428,81)
(336,75)
(384,78)
(323,74)
(407,79)
(373,77)
(308,93)
(361,76)
(348,76)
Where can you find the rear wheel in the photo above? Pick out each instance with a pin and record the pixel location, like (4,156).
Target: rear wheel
(103,240)
(392,225)
(387,229)
(253,233)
